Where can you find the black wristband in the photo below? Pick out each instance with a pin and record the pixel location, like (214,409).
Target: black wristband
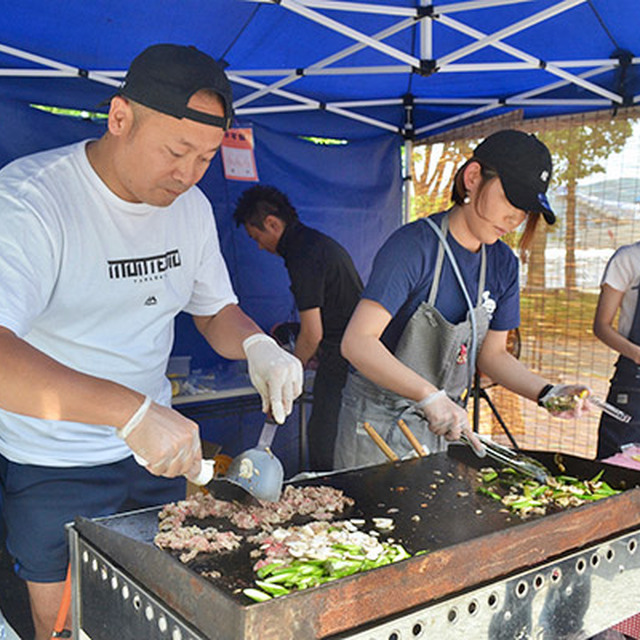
(543,393)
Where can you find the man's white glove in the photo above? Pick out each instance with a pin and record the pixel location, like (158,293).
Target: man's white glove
(564,400)
(276,374)
(446,418)
(163,440)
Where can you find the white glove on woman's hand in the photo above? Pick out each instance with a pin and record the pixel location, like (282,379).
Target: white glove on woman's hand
(565,400)
(276,374)
(446,418)
(164,441)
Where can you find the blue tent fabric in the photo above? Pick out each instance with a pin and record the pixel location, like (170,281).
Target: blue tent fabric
(26,130)
(350,191)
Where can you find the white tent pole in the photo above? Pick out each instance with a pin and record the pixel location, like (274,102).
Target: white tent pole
(487,40)
(353,7)
(496,104)
(476,67)
(535,62)
(32,57)
(462,116)
(474,4)
(329,60)
(408,133)
(488,106)
(312,104)
(407,181)
(59,66)
(540,102)
(249,111)
(471,67)
(294,6)
(426,35)
(258,85)
(397,11)
(361,118)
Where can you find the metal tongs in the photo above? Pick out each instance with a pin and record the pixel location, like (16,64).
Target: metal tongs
(610,409)
(520,462)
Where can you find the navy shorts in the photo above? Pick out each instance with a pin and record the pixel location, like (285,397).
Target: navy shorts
(38,501)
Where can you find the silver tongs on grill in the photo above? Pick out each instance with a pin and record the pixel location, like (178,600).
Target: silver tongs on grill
(518,461)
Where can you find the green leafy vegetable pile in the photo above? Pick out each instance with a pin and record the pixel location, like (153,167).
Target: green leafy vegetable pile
(525,496)
(308,556)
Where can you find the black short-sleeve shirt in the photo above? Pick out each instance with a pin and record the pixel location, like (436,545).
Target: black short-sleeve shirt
(322,275)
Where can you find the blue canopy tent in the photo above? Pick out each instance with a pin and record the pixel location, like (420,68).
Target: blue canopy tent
(341,68)
(375,74)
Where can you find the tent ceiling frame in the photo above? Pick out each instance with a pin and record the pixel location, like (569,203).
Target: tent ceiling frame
(423,16)
(482,41)
(294,75)
(59,68)
(496,104)
(536,62)
(467,67)
(391,10)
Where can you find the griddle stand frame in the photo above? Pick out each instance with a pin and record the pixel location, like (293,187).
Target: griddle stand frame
(133,611)
(576,596)
(572,594)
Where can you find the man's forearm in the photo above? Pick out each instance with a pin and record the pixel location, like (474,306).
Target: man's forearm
(305,349)
(227,330)
(33,384)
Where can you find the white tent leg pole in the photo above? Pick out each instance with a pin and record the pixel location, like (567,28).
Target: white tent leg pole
(407,179)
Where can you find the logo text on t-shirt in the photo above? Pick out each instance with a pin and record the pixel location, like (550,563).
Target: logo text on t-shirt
(147,268)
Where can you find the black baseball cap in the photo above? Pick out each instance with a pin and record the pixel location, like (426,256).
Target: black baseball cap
(524,166)
(164,76)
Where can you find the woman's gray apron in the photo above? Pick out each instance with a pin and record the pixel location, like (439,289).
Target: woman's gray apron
(433,347)
(624,392)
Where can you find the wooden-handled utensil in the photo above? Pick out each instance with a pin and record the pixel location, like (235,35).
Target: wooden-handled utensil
(384,447)
(410,436)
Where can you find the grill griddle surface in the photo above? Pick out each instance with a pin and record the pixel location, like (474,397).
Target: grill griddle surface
(433,501)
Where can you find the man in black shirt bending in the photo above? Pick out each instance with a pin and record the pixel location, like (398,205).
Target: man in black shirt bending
(326,288)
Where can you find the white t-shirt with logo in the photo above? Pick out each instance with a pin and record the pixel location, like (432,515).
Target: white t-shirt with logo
(623,274)
(95,282)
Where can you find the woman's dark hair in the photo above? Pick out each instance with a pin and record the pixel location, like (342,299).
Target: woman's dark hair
(458,193)
(258,202)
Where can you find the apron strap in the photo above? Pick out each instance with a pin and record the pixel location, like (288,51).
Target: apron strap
(473,347)
(435,284)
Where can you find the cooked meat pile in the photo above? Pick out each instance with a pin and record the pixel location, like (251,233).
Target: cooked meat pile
(317,503)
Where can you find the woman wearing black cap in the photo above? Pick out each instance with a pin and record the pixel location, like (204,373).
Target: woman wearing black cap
(442,295)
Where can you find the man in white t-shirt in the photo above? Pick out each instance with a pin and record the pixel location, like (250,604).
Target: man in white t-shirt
(102,244)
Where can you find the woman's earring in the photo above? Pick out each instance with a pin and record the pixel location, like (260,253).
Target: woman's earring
(467,199)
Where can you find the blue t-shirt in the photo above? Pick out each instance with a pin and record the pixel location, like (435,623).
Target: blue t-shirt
(403,271)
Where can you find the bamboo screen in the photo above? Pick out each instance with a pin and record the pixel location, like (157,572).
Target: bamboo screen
(595,193)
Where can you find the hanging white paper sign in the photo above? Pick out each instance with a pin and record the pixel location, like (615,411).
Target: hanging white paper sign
(238,157)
